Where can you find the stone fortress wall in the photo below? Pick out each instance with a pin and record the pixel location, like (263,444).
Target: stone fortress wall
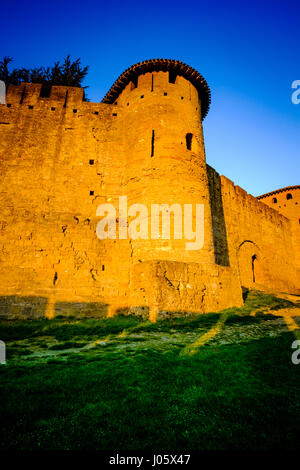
(60,157)
(287,202)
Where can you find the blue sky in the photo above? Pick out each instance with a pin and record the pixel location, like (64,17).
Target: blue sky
(248,51)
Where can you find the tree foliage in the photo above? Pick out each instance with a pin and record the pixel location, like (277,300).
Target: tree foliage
(67,73)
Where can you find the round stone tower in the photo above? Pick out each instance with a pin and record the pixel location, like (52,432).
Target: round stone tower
(162,104)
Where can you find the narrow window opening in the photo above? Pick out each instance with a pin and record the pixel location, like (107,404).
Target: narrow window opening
(274,200)
(45,90)
(23,95)
(74,111)
(253,270)
(55,278)
(152,82)
(172,76)
(152,144)
(8,105)
(134,82)
(142,96)
(30,106)
(91,193)
(165,94)
(52,109)
(103,267)
(188,139)
(289,196)
(115,114)
(91,162)
(66,99)
(96,112)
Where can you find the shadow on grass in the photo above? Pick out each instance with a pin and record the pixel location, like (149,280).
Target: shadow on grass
(227,397)
(70,328)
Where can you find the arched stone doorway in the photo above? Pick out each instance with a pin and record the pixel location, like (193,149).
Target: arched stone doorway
(250,264)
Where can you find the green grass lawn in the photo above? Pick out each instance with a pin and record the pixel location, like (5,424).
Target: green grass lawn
(125,383)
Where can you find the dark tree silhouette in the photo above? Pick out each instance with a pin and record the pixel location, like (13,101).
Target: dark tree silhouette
(67,73)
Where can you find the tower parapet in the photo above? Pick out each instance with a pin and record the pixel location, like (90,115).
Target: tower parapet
(173,67)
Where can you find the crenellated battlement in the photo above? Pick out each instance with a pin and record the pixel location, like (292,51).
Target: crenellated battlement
(171,68)
(32,94)
(26,97)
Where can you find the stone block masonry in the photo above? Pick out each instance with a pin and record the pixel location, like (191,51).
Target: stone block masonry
(60,157)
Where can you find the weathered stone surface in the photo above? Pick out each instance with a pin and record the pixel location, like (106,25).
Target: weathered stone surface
(61,157)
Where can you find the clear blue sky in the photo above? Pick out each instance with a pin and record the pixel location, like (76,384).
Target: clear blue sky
(248,51)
